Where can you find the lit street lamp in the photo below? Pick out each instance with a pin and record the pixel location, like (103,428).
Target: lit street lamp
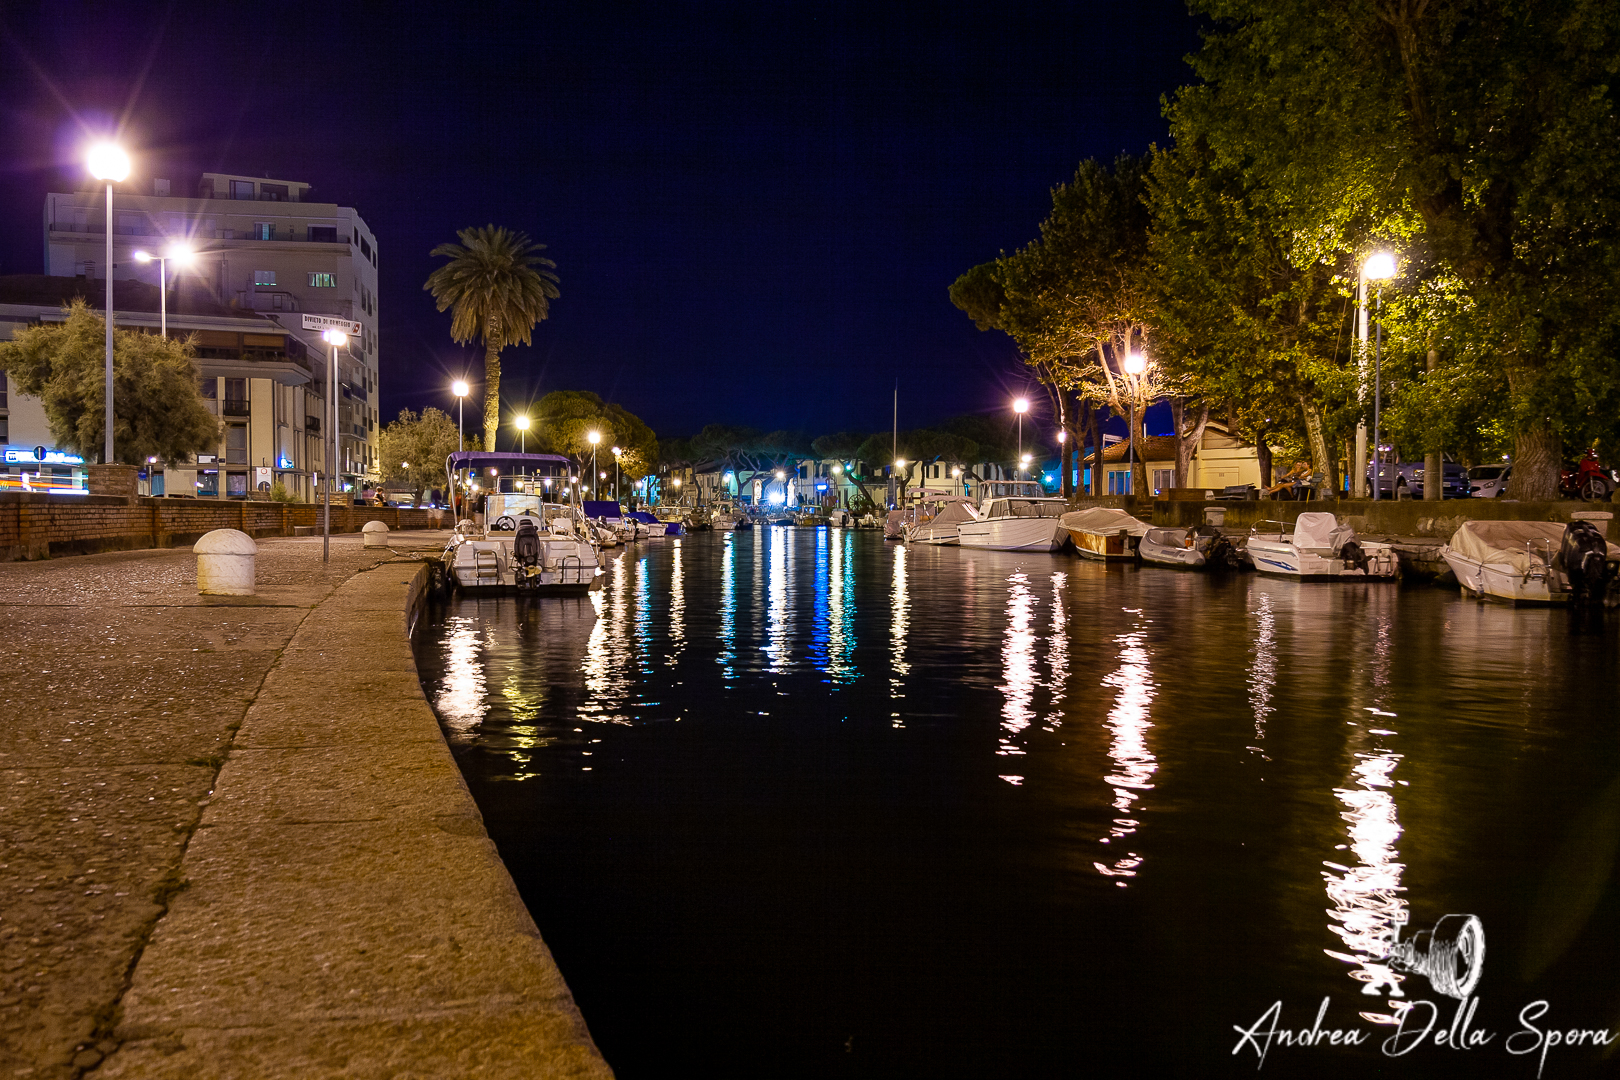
(616,477)
(594,437)
(522,423)
(459,388)
(337,339)
(1021,406)
(1023,463)
(781,478)
(176,254)
(107,162)
(1379,268)
(1135,364)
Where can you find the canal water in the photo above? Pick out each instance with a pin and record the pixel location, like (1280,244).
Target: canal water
(805,803)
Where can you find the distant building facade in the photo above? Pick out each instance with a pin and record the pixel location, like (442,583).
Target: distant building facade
(260,246)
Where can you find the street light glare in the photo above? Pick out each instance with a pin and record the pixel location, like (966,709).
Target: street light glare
(1135,363)
(1380,265)
(142,257)
(107,161)
(458,388)
(335,337)
(593,437)
(180,253)
(522,423)
(1027,459)
(1021,405)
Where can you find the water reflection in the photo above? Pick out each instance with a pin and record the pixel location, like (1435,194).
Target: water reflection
(461,700)
(1134,764)
(609,653)
(840,607)
(779,609)
(1017,667)
(1058,653)
(1263,669)
(899,622)
(728,609)
(677,605)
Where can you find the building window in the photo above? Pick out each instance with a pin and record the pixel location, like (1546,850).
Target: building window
(323,234)
(264,230)
(132,225)
(1163,480)
(1119,482)
(322,281)
(264,277)
(208,483)
(236,444)
(208,387)
(273,192)
(5,429)
(241,189)
(275,301)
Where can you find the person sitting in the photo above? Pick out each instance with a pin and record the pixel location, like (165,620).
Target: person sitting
(1292,481)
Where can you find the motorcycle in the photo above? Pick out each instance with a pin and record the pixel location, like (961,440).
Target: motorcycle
(1588,480)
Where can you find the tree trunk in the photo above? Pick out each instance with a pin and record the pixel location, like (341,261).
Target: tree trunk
(1262,457)
(1139,473)
(1434,469)
(1538,453)
(1099,413)
(1187,442)
(492,381)
(1317,439)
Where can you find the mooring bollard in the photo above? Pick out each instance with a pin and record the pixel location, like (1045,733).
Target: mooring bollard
(375,533)
(1215,515)
(225,563)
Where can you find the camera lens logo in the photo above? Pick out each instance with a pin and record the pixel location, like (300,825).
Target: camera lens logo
(1451,956)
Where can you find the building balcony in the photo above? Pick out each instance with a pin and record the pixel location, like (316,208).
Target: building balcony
(234,407)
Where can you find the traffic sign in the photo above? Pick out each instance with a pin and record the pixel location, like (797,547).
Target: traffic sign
(331,322)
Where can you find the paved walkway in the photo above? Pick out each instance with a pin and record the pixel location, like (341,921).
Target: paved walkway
(233,842)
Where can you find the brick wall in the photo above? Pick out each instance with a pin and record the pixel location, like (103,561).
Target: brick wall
(39,526)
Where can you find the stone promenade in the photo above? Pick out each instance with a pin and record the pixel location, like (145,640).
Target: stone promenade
(234,844)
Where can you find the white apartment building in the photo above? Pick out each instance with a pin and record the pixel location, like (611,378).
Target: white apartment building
(259,246)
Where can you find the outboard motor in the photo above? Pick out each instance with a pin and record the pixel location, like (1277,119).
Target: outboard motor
(1354,556)
(1219,554)
(526,551)
(1584,554)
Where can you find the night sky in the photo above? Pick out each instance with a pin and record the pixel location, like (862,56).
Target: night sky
(755,210)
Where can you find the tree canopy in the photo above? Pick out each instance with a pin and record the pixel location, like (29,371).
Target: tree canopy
(157,411)
(414,447)
(565,419)
(497,286)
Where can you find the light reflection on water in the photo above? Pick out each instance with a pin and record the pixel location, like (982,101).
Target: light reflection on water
(1005,728)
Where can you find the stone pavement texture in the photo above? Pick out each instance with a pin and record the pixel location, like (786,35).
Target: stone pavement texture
(234,844)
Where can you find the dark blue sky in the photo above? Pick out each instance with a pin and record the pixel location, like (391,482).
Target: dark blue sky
(756,210)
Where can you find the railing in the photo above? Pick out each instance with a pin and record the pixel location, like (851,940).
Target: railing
(312,424)
(235,407)
(287,235)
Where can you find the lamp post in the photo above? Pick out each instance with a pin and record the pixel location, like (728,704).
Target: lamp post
(1378,268)
(522,423)
(1023,463)
(1063,459)
(109,163)
(1021,406)
(594,437)
(617,477)
(458,388)
(1135,364)
(176,254)
(337,339)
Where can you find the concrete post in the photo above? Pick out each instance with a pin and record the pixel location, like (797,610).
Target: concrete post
(225,563)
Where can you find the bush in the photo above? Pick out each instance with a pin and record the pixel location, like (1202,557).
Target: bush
(280,494)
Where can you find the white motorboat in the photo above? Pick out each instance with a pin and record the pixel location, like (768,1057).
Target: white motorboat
(1318,548)
(939,519)
(1104,533)
(538,547)
(1526,562)
(1016,523)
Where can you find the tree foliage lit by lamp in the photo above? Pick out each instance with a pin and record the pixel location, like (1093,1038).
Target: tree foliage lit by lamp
(1135,364)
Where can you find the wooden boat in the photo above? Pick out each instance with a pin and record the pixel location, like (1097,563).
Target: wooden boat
(1104,533)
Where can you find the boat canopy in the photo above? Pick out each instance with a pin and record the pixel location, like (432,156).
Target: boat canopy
(1104,520)
(1519,544)
(603,508)
(1323,531)
(953,512)
(481,461)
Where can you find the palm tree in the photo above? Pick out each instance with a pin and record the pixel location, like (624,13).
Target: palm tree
(497,294)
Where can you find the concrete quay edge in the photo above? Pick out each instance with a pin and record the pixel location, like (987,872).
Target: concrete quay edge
(342,910)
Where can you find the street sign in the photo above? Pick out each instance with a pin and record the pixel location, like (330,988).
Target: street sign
(331,322)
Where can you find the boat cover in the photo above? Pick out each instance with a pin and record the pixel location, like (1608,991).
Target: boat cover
(1316,530)
(952,513)
(1507,543)
(603,509)
(1103,519)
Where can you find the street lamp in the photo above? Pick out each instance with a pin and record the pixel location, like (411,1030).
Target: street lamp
(522,423)
(1023,463)
(1021,406)
(617,478)
(108,163)
(459,388)
(176,254)
(1379,267)
(781,478)
(337,339)
(594,437)
(1135,365)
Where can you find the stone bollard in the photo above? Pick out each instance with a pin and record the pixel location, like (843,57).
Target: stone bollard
(1215,516)
(375,533)
(225,563)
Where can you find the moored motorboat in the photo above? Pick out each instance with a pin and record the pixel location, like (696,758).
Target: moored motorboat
(1198,548)
(939,520)
(1104,533)
(1533,562)
(1318,548)
(534,546)
(1016,523)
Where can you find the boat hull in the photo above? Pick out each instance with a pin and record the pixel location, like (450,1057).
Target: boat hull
(1280,559)
(1178,556)
(1104,547)
(1013,534)
(1494,582)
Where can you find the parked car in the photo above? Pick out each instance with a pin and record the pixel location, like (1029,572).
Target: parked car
(1490,481)
(1404,480)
